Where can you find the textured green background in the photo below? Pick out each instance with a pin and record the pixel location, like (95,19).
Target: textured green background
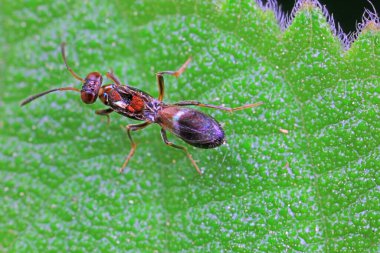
(314,189)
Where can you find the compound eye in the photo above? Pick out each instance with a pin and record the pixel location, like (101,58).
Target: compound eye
(88,97)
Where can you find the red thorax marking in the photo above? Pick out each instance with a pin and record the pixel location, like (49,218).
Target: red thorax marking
(115,96)
(136,104)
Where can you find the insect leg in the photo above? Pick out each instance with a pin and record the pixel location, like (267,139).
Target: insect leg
(171,144)
(218,107)
(160,78)
(130,128)
(105,112)
(112,76)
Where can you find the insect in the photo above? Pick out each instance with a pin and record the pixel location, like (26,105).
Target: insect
(192,126)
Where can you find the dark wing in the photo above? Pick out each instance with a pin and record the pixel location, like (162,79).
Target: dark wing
(129,91)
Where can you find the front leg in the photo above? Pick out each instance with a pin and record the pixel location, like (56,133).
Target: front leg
(105,112)
(160,78)
(114,78)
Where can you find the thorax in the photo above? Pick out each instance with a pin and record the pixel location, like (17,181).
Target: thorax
(130,102)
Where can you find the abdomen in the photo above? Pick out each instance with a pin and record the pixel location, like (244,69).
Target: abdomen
(194,127)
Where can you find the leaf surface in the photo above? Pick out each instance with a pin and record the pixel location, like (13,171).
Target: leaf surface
(299,173)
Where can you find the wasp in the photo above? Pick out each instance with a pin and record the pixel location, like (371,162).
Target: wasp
(192,126)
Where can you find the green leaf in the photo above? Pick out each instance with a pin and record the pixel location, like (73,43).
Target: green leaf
(299,173)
